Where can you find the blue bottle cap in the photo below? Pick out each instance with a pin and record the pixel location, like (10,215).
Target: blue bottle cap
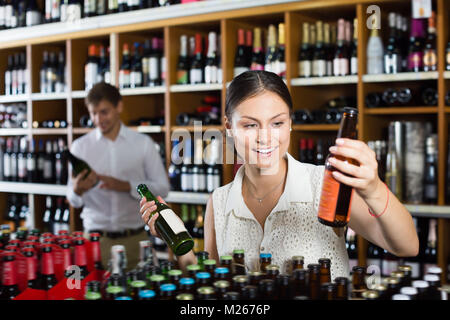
(265,255)
(221,270)
(124,298)
(203,275)
(146,294)
(187,281)
(168,287)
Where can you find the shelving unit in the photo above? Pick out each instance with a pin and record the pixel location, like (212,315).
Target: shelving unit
(226,17)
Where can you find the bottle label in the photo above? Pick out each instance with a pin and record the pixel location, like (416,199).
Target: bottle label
(211,74)
(47,169)
(8,82)
(31,268)
(174,222)
(8,15)
(31,164)
(48,264)
(162,63)
(329,198)
(199,244)
(6,165)
(90,75)
(33,18)
(431,191)
(238,70)
(305,69)
(389,266)
(107,77)
(124,78)
(21,168)
(415,269)
(2,16)
(154,68)
(279,68)
(354,65)
(186,182)
(391,63)
(182,77)
(9,277)
(210,183)
(135,79)
(415,61)
(196,76)
(319,68)
(13,172)
(257,67)
(430,58)
(58,168)
(20,81)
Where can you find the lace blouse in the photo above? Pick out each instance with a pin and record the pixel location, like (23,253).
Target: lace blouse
(291,229)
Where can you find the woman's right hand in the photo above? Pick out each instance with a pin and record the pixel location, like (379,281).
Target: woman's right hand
(147,208)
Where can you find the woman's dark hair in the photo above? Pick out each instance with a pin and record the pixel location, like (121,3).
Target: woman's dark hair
(103,91)
(251,83)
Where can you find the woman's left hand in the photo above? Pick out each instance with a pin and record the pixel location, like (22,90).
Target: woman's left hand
(363,178)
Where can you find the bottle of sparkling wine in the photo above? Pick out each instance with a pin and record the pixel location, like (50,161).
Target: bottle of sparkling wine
(169,225)
(78,164)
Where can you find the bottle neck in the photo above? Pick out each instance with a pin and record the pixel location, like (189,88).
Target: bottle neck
(48,267)
(183,47)
(80,255)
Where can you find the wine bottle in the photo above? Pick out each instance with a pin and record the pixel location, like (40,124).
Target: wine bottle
(240,58)
(319,159)
(136,68)
(33,16)
(104,74)
(2,15)
(6,161)
(91,68)
(393,176)
(174,170)
(198,230)
(196,73)
(392,56)
(113,6)
(198,169)
(43,73)
(31,163)
(22,161)
(374,51)
(340,62)
(280,62)
(48,279)
(415,51)
(354,49)
(319,57)
(90,9)
(305,54)
(101,7)
(258,54)
(22,85)
(122,5)
(155,65)
(336,197)
(51,74)
(430,252)
(78,164)
(125,68)
(211,65)
(8,76)
(183,62)
(329,49)
(186,168)
(271,49)
(429,53)
(169,225)
(430,178)
(9,277)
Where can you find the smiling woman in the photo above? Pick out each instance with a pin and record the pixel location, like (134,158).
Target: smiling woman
(272,204)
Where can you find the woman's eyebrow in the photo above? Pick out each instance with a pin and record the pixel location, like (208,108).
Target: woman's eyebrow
(283,113)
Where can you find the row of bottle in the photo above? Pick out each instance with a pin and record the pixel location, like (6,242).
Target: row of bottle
(252,55)
(314,152)
(228,279)
(27,13)
(52,74)
(145,66)
(404,96)
(15,74)
(56,215)
(17,211)
(97,67)
(208,113)
(199,60)
(36,253)
(21,160)
(383,263)
(13,115)
(195,165)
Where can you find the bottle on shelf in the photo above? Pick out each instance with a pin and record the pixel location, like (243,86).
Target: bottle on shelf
(113,6)
(123,5)
(198,230)
(335,201)
(341,65)
(33,15)
(212,63)
(271,48)
(319,64)
(354,49)
(125,68)
(174,170)
(104,65)
(392,54)
(186,168)
(91,68)
(240,58)
(415,51)
(429,52)
(196,73)
(89,8)
(136,67)
(183,62)
(280,62)
(169,225)
(430,252)
(43,72)
(155,65)
(198,169)
(430,178)
(375,50)
(8,76)
(258,53)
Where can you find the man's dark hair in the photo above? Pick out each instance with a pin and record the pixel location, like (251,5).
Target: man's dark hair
(103,91)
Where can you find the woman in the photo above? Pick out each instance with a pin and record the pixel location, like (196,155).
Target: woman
(271,206)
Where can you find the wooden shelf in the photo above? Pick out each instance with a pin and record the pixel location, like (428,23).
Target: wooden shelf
(316,81)
(81,130)
(33,188)
(403,76)
(45,131)
(14,98)
(143,91)
(315,127)
(195,87)
(429,211)
(79,94)
(402,110)
(192,128)
(49,96)
(149,129)
(13,131)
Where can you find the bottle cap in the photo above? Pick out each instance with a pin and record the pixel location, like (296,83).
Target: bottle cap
(185,296)
(146,294)
(420,284)
(175,272)
(168,287)
(203,275)
(221,270)
(187,281)
(400,297)
(209,262)
(431,278)
(221,284)
(157,278)
(193,267)
(410,291)
(238,251)
(123,298)
(138,284)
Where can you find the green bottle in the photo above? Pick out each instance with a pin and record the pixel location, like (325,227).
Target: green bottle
(78,164)
(169,225)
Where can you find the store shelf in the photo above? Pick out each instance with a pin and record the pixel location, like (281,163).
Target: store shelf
(143,91)
(49,96)
(404,76)
(60,30)
(187,197)
(315,127)
(79,94)
(33,188)
(316,81)
(195,129)
(429,211)
(402,110)
(195,87)
(45,131)
(81,130)
(14,132)
(14,98)
(446,74)
(149,129)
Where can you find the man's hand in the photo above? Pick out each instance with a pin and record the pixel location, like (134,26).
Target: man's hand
(82,184)
(111,183)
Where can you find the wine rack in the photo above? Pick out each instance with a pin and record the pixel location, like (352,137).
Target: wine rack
(224,17)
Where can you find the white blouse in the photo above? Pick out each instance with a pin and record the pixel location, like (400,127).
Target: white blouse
(291,229)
